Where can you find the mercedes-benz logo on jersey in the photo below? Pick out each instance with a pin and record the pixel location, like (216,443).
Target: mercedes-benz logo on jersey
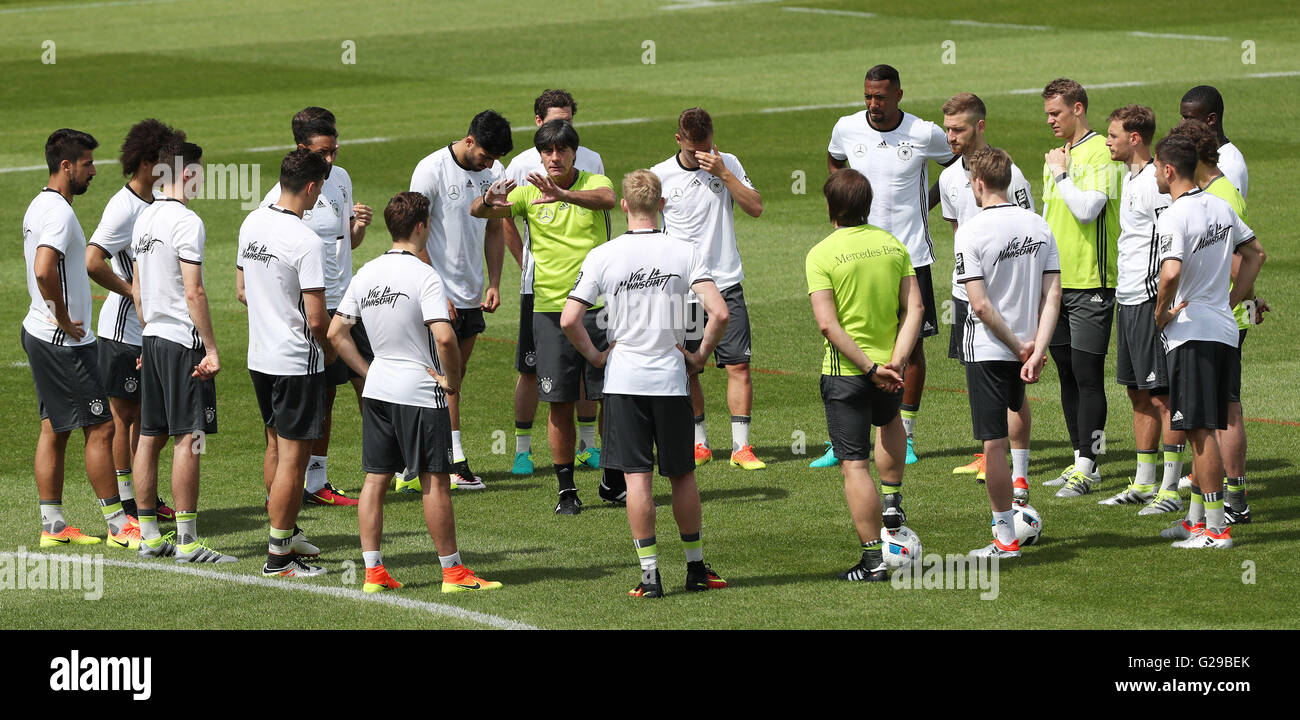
(904,152)
(453,191)
(546,214)
(530,359)
(546,385)
(715,184)
(676,195)
(859,150)
(96,407)
(130,385)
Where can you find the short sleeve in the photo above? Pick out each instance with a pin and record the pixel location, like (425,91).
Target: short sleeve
(699,268)
(424,180)
(600,163)
(945,199)
(110,235)
(587,288)
(1022,193)
(433,303)
(1241,233)
(819,276)
(937,148)
(190,236)
(311,271)
(836,147)
(733,164)
(966,259)
(1171,238)
(348,304)
(57,231)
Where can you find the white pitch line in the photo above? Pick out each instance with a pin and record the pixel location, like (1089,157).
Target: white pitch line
(801,108)
(1007,26)
(697,4)
(102,161)
(286,148)
(1097,86)
(432,608)
(1176,36)
(1284,73)
(74,7)
(827,11)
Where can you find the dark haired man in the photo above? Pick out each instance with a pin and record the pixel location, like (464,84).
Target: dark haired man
(567,211)
(701,187)
(864,296)
(280,276)
(405,423)
(148,143)
(1204,103)
(550,105)
(60,345)
(341,226)
(1081,206)
(451,178)
(892,148)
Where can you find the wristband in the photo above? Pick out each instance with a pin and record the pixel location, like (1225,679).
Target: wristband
(1062,176)
(872,371)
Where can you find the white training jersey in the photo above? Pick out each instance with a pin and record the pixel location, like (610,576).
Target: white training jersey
(281,258)
(957,201)
(896,162)
(166,234)
(645,277)
(1010,249)
(530,161)
(50,222)
(331,220)
(118,319)
(396,296)
(455,244)
(698,207)
(1233,165)
(1141,202)
(1202,231)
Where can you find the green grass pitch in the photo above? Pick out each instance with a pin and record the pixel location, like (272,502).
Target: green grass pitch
(775,76)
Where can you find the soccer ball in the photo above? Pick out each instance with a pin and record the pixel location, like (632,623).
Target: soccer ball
(1029,524)
(899,547)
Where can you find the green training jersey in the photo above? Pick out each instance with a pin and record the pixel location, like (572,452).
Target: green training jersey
(560,235)
(863,267)
(1089,251)
(1223,188)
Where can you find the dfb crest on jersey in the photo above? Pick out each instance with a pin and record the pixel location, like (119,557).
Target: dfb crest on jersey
(210,415)
(859,150)
(530,359)
(904,152)
(96,407)
(715,184)
(961,264)
(453,191)
(546,385)
(130,385)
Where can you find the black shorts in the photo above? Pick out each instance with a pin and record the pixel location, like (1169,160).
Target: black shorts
(69,387)
(853,405)
(468,323)
(1201,373)
(117,363)
(930,320)
(561,369)
(1234,381)
(172,401)
(956,331)
(526,350)
(734,348)
(995,387)
(1140,353)
(637,425)
(396,437)
(1085,320)
(292,405)
(338,372)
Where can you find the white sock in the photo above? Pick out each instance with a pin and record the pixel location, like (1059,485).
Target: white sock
(1004,527)
(1076,456)
(52,517)
(701,432)
(449,561)
(1019,463)
(523,443)
(739,432)
(457,453)
(373,558)
(316,477)
(124,486)
(586,436)
(1087,466)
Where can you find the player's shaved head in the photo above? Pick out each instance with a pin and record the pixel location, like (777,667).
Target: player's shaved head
(695,125)
(1202,136)
(300,167)
(1068,90)
(67,144)
(848,197)
(993,166)
(404,212)
(1178,151)
(642,193)
(147,143)
(1205,97)
(885,72)
(554,134)
(968,104)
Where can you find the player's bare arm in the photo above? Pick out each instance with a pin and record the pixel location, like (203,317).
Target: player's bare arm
(909,329)
(340,336)
(494,254)
(101,272)
(361,217)
(977,291)
(196,299)
(1171,274)
(714,328)
(571,324)
(1049,309)
(494,202)
(833,163)
(514,242)
(1252,260)
(448,349)
(598,199)
(823,303)
(318,321)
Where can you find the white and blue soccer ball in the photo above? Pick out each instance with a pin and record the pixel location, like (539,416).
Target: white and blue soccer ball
(900,547)
(1029,525)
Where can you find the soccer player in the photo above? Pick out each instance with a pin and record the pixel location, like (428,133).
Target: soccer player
(1080,205)
(60,346)
(119,320)
(963,122)
(341,226)
(1007,259)
(550,105)
(404,417)
(451,178)
(1140,361)
(865,298)
(645,277)
(1204,103)
(1198,235)
(701,188)
(1232,441)
(892,148)
(567,211)
(280,276)
(178,357)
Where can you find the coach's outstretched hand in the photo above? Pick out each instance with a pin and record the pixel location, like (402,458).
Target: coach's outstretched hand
(498,191)
(550,191)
